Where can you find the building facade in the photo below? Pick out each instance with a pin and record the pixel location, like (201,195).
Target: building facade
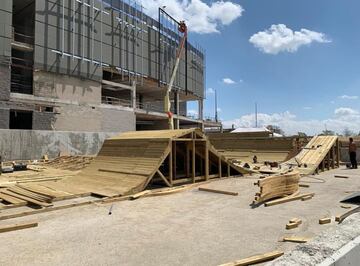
(93,65)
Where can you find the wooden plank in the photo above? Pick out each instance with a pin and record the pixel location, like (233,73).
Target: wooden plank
(287,199)
(291,226)
(219,191)
(219,166)
(12,200)
(206,161)
(255,259)
(295,239)
(340,218)
(170,162)
(14,227)
(326,220)
(341,176)
(36,202)
(304,185)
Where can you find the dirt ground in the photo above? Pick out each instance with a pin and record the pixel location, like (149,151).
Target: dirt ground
(187,228)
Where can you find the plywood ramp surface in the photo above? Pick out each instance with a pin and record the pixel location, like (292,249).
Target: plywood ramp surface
(313,154)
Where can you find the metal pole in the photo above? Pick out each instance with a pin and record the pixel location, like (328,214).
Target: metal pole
(256,118)
(63,28)
(74,26)
(101,33)
(83,31)
(216,110)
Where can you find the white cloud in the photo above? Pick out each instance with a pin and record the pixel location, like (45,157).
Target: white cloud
(345,112)
(193,113)
(228,81)
(219,110)
(344,117)
(280,38)
(210,91)
(307,107)
(199,16)
(349,97)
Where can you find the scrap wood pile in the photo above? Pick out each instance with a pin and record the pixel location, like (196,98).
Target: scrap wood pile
(276,186)
(72,163)
(21,195)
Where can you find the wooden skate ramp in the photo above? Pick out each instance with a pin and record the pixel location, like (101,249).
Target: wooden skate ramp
(127,163)
(320,154)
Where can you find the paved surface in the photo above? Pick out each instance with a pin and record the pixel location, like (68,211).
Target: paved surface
(188,228)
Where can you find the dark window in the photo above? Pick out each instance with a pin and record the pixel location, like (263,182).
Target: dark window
(20,119)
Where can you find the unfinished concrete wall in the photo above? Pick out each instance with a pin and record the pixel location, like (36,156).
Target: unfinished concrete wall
(43,120)
(90,118)
(32,144)
(5,48)
(4,118)
(47,84)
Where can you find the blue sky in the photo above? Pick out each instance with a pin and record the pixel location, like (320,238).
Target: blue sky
(307,88)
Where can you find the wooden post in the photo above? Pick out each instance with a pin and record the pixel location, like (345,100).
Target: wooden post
(333,157)
(187,159)
(328,160)
(337,153)
(174,158)
(171,165)
(228,170)
(206,161)
(323,165)
(219,163)
(193,159)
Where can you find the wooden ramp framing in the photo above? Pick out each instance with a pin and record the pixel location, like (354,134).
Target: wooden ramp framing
(320,154)
(128,163)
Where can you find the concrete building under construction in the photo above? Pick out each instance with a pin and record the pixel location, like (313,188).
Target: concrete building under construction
(93,65)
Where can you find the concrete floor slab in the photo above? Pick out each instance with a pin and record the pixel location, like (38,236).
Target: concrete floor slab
(188,228)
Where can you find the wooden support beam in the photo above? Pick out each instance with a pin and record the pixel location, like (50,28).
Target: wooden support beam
(337,153)
(170,161)
(187,159)
(333,157)
(228,170)
(163,178)
(255,259)
(13,227)
(219,166)
(219,191)
(206,161)
(323,165)
(193,159)
(328,160)
(174,158)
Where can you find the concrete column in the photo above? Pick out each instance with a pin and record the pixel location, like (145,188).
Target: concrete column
(201,107)
(176,110)
(133,94)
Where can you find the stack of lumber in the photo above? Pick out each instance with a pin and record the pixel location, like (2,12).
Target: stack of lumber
(277,186)
(72,163)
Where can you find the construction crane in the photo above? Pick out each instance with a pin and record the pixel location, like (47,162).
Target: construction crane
(167,103)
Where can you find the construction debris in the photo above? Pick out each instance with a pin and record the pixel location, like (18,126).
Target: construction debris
(342,217)
(218,191)
(295,239)
(293,223)
(341,176)
(255,259)
(326,220)
(289,198)
(276,186)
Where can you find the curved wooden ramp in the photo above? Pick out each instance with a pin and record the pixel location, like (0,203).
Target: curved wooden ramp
(320,154)
(127,163)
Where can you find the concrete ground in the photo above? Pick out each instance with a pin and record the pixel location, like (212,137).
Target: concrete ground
(187,228)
